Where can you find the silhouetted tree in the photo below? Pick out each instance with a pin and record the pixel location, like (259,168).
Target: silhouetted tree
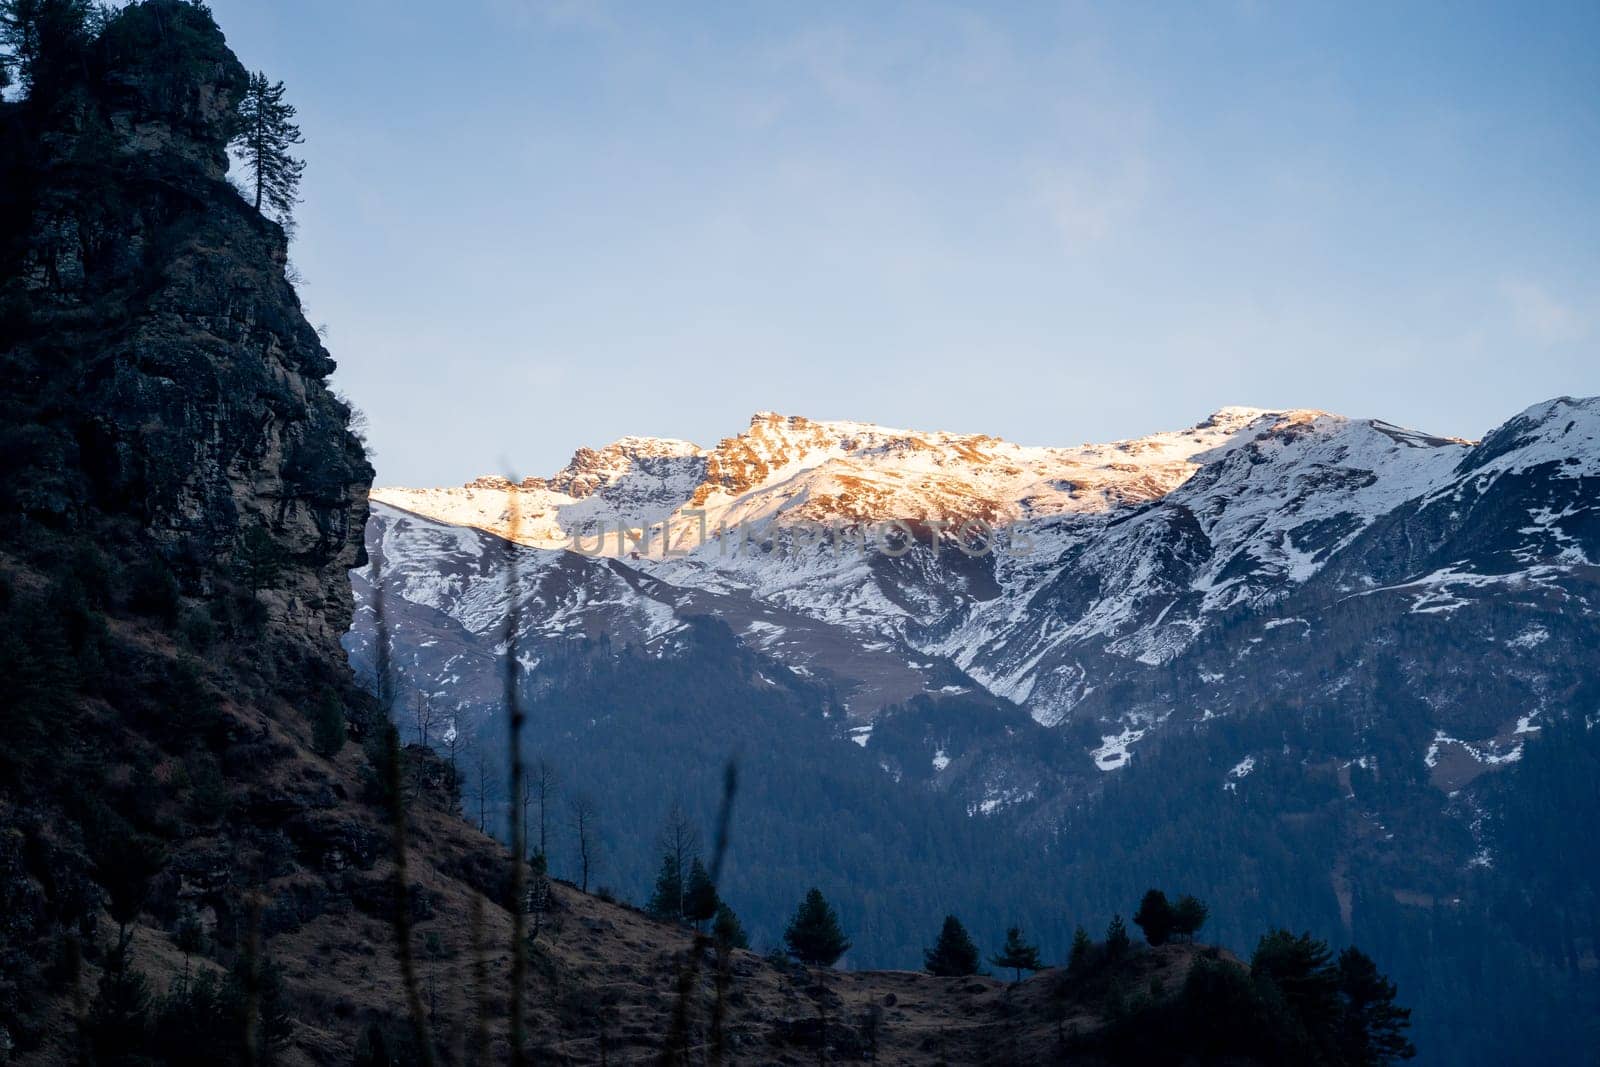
(1372,1027)
(954,955)
(40,39)
(1017,955)
(1299,968)
(422,716)
(264,134)
(700,900)
(727,931)
(1117,943)
(1155,917)
(545,782)
(118,1019)
(1188,916)
(585,831)
(1082,948)
(666,901)
(813,935)
(125,863)
(679,842)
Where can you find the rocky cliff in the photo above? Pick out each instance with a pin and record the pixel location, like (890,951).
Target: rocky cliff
(181,500)
(160,372)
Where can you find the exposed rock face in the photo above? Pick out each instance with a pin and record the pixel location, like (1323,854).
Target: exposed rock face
(746,460)
(185,389)
(181,501)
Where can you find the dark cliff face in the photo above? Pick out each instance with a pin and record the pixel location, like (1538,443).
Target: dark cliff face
(160,374)
(181,502)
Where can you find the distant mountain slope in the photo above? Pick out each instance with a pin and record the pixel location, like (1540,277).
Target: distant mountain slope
(1102,554)
(1345,655)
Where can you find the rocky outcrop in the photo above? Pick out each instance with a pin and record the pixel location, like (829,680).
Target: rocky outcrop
(160,369)
(181,500)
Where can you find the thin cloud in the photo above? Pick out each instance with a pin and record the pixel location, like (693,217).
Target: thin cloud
(1085,204)
(1541,315)
(558,14)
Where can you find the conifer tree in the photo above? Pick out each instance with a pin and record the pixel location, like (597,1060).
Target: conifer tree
(1188,916)
(953,955)
(118,1018)
(727,931)
(1372,1026)
(666,901)
(679,844)
(1117,943)
(1082,948)
(1301,970)
(1017,955)
(700,900)
(41,39)
(813,936)
(264,134)
(1155,917)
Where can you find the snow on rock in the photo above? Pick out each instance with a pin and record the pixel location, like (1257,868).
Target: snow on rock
(1485,753)
(1124,551)
(1562,434)
(996,799)
(1291,488)
(1240,770)
(1532,637)
(1116,749)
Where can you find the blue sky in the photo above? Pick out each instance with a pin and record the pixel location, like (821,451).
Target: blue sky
(534,225)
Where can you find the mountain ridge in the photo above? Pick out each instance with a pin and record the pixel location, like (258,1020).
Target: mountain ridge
(1327,667)
(1133,544)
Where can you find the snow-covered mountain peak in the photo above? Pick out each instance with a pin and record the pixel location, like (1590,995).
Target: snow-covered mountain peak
(1233,415)
(1564,431)
(654,458)
(1285,493)
(1114,556)
(791,469)
(777,446)
(1312,432)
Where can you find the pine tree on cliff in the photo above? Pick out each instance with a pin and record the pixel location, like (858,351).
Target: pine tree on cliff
(263,137)
(41,39)
(1017,955)
(813,935)
(953,955)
